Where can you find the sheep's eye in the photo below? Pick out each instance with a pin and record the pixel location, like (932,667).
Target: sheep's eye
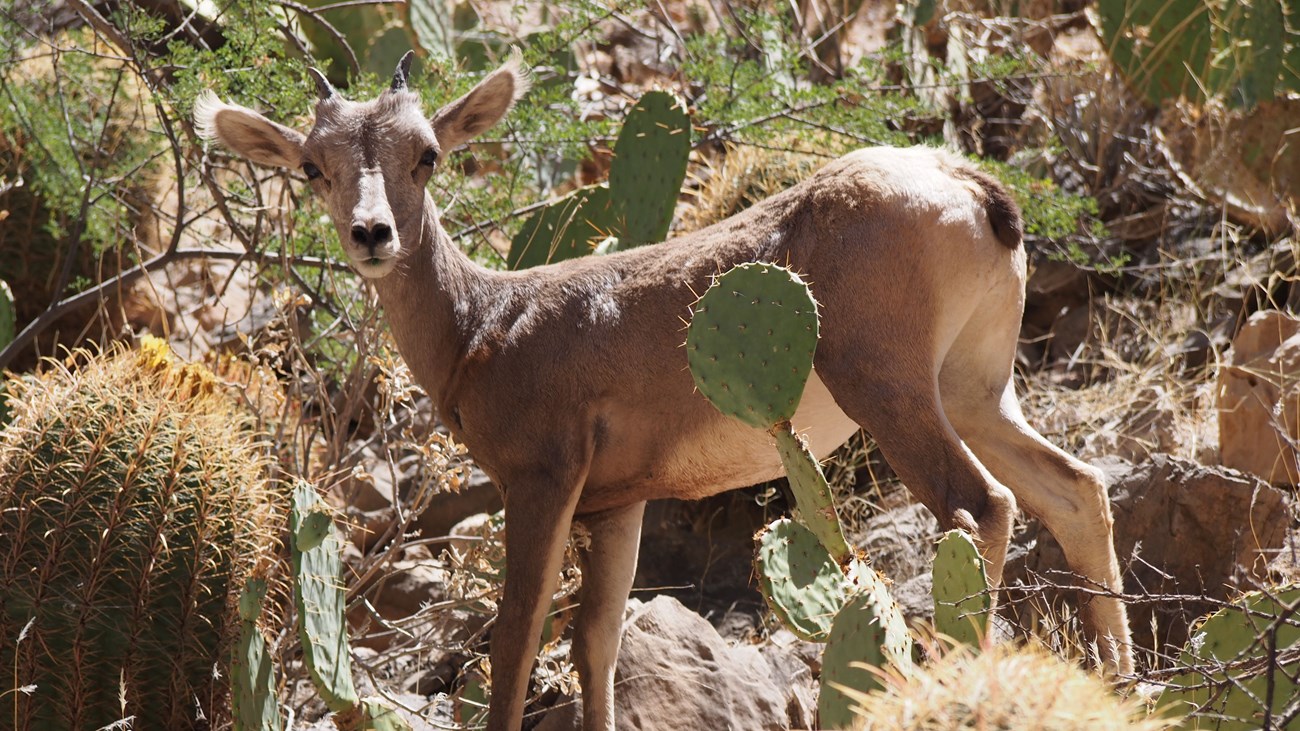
(311,171)
(429,157)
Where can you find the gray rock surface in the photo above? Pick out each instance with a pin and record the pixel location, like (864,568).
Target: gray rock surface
(676,672)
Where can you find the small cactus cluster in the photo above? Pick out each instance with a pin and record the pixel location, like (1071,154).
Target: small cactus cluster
(1166,49)
(1241,665)
(750,348)
(636,207)
(134,503)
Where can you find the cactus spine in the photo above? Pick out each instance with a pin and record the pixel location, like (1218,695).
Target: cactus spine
(133,503)
(636,207)
(962,600)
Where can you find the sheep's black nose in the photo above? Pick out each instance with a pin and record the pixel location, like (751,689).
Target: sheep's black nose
(372,236)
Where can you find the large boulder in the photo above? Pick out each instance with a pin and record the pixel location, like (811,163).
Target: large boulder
(1181,528)
(676,671)
(1259,399)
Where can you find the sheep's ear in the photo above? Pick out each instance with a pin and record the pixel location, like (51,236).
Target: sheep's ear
(484,105)
(247,133)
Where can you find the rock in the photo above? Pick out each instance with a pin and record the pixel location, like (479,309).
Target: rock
(1180,528)
(789,670)
(371,485)
(369,491)
(1259,399)
(702,553)
(676,671)
(900,541)
(1054,287)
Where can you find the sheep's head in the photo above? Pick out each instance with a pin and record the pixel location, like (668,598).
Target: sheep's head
(370,160)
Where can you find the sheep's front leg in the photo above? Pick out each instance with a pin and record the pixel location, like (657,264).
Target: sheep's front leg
(538,517)
(608,565)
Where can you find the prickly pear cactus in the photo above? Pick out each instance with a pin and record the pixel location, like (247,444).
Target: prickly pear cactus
(134,502)
(649,167)
(635,208)
(962,600)
(803,585)
(868,630)
(568,228)
(1193,48)
(1230,674)
(750,348)
(751,342)
(1149,41)
(319,593)
(252,671)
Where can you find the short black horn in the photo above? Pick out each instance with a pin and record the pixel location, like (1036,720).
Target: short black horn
(323,88)
(403,72)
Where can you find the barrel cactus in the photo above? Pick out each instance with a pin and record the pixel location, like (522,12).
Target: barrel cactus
(134,504)
(1006,686)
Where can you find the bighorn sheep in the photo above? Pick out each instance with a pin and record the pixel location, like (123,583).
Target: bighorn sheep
(569,384)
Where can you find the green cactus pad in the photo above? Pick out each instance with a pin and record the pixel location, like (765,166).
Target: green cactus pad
(378,715)
(1149,41)
(869,630)
(751,342)
(649,167)
(962,600)
(565,229)
(1192,48)
(1235,697)
(811,492)
(803,585)
(253,691)
(319,594)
